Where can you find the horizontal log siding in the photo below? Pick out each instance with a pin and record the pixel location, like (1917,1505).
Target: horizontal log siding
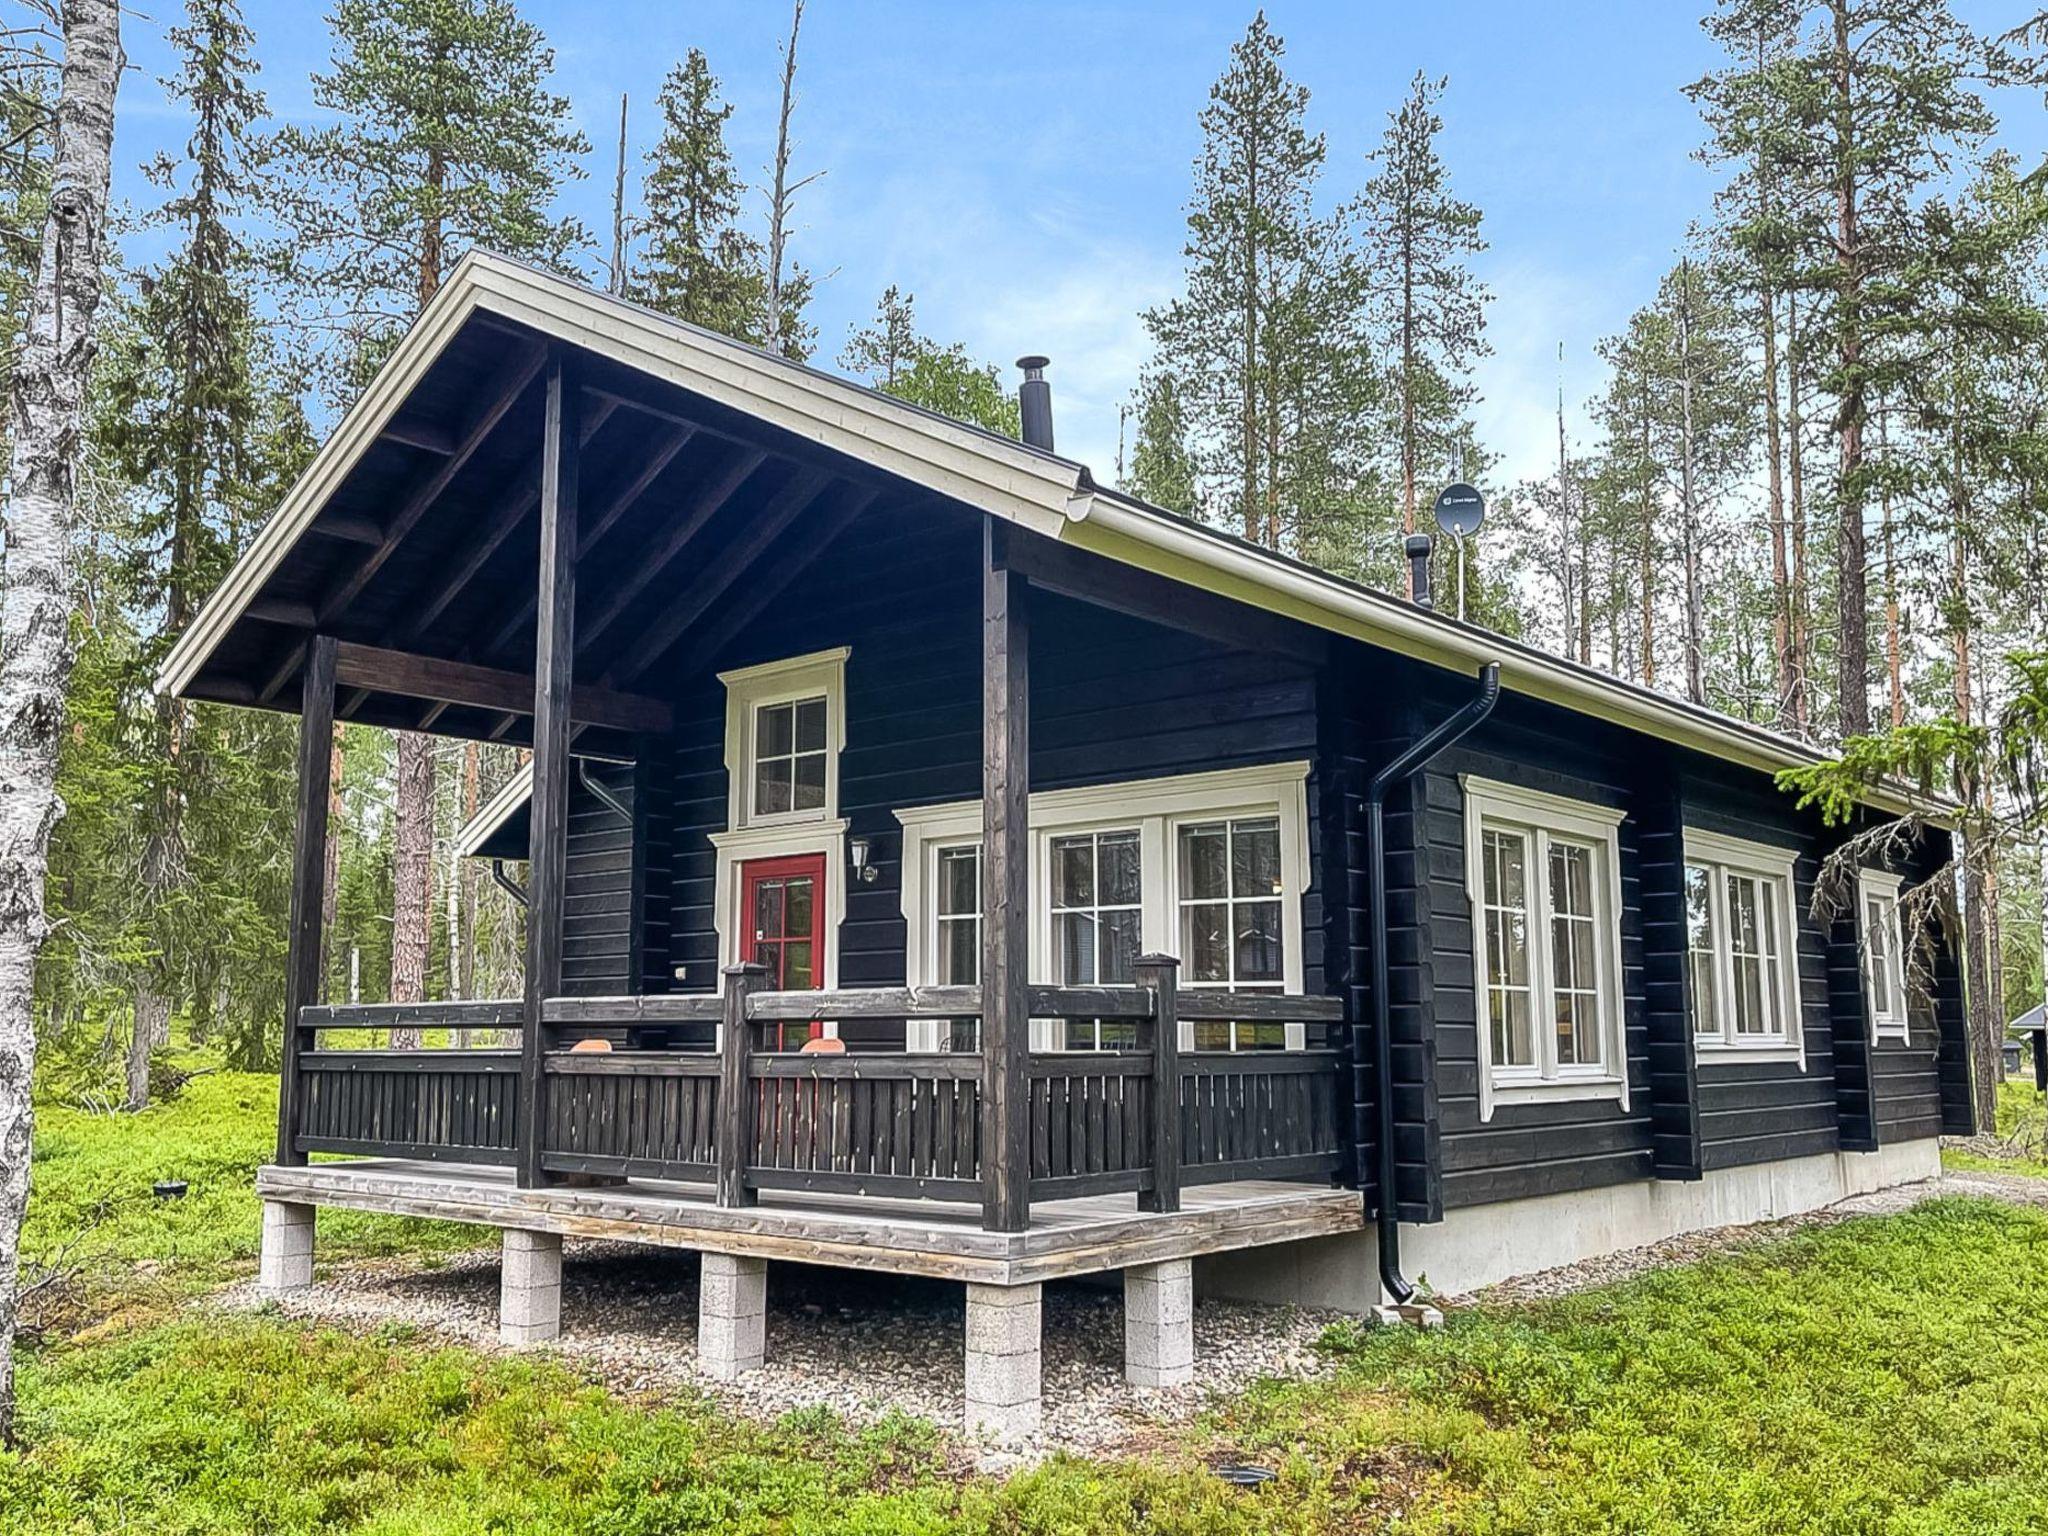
(599,937)
(1751,1111)
(1113,698)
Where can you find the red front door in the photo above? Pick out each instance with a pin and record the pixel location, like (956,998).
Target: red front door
(782,926)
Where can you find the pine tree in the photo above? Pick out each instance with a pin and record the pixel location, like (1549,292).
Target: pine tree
(787,291)
(448,135)
(1162,468)
(698,265)
(893,357)
(1417,237)
(182,404)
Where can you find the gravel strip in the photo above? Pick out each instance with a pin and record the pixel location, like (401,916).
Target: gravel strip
(1688,1247)
(863,1345)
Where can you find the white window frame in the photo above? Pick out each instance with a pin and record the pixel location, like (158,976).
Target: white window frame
(750,689)
(821,830)
(1895,1023)
(1157,808)
(1514,808)
(1722,855)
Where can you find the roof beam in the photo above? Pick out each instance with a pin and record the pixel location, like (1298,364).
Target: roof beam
(663,454)
(350,530)
(463,683)
(772,583)
(715,579)
(473,436)
(429,437)
(703,507)
(520,498)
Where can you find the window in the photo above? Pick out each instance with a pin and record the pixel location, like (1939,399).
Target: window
(957,915)
(1543,875)
(1741,947)
(1884,959)
(1097,897)
(789,757)
(1229,895)
(1210,867)
(784,726)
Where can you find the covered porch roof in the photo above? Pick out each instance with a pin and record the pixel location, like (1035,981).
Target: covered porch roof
(712,474)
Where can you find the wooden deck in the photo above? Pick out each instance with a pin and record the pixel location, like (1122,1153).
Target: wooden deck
(910,1237)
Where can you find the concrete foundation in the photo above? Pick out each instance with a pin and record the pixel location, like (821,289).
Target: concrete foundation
(1003,1361)
(732,1315)
(1159,1324)
(1483,1245)
(285,1257)
(530,1289)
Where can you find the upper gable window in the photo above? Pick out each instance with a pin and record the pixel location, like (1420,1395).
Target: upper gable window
(785,722)
(1741,946)
(1544,877)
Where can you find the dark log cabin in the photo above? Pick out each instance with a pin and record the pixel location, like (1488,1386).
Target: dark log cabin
(940,863)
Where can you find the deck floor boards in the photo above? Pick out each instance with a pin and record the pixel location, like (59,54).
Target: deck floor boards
(914,1237)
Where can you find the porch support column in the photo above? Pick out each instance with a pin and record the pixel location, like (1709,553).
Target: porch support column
(553,664)
(732,1315)
(1005,888)
(1005,1367)
(1159,1323)
(530,1289)
(309,865)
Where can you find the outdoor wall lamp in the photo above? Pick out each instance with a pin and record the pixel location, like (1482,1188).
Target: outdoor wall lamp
(857,850)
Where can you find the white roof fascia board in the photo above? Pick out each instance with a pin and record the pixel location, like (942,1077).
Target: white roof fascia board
(497,810)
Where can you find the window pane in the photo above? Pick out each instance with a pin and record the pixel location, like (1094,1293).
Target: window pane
(1080,1034)
(1212,1035)
(1255,858)
(771,787)
(1204,862)
(1073,860)
(810,725)
(1505,875)
(1205,941)
(1074,941)
(810,783)
(959,952)
(1699,930)
(772,730)
(1749,996)
(1120,944)
(796,966)
(1511,1045)
(1877,939)
(768,909)
(1262,1037)
(797,906)
(1258,941)
(1571,880)
(959,881)
(1116,868)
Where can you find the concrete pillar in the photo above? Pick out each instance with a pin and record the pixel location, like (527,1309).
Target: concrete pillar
(732,1315)
(1159,1324)
(285,1259)
(530,1288)
(1003,1361)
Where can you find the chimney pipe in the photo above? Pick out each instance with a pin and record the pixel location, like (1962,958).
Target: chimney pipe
(1418,546)
(1034,403)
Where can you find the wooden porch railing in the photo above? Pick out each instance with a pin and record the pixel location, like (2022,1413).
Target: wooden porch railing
(903,1125)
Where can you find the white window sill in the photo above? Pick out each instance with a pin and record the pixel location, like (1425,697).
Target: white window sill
(1557,1090)
(1712,1052)
(1892,1034)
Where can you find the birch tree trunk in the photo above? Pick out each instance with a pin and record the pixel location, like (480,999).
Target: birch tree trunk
(45,405)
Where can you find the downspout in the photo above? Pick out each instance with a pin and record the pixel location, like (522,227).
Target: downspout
(506,883)
(1419,754)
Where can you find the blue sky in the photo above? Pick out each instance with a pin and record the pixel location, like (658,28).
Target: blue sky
(1023,168)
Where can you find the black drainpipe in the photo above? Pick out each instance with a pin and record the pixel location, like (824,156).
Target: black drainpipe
(1446,734)
(505,882)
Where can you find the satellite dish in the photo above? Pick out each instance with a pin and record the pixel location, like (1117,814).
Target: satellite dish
(1460,509)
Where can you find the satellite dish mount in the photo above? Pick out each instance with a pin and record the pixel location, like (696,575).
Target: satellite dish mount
(1460,509)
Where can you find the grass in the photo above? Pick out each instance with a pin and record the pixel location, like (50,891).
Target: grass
(1883,1375)
(1880,1376)
(2022,1124)
(92,1212)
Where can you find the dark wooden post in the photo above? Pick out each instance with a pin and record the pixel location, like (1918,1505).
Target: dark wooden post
(735,1083)
(553,664)
(1005,889)
(1160,974)
(309,867)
